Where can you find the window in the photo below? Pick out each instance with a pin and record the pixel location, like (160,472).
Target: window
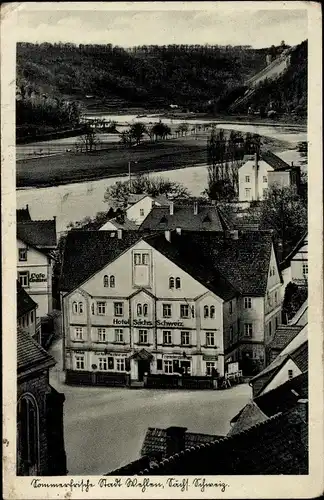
(210,339)
(120,364)
(248,193)
(212,311)
(137,259)
(247,302)
(142,337)
(276,297)
(270,329)
(139,310)
(27,320)
(167,310)
(79,362)
(145,259)
(168,367)
(248,329)
(231,307)
(92,308)
(247,178)
(145,310)
(273,271)
(206,311)
(231,334)
(210,365)
(178,283)
(23,278)
(167,337)
(184,311)
(290,374)
(119,335)
(118,308)
(106,281)
(101,308)
(171,283)
(28,437)
(77,308)
(32,317)
(110,363)
(109,281)
(80,308)
(103,364)
(112,281)
(185,338)
(102,335)
(305,269)
(142,310)
(22,254)
(78,333)
(159,365)
(193,311)
(141,212)
(265,179)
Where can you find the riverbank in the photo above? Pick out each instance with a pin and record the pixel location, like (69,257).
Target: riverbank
(171,154)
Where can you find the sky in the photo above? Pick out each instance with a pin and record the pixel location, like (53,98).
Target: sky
(166,24)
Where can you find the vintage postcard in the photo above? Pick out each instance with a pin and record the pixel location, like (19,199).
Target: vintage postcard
(162,237)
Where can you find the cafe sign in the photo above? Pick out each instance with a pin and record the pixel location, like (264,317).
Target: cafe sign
(37,278)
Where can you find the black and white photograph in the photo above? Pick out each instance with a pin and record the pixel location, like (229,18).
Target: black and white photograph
(162,210)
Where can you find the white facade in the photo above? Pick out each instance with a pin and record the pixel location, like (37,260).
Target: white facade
(253,182)
(34,272)
(288,371)
(140,210)
(299,264)
(148,303)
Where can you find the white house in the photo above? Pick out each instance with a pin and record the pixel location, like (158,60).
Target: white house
(297,262)
(140,205)
(36,241)
(258,173)
(144,304)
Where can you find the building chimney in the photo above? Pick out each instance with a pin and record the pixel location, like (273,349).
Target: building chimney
(178,230)
(195,207)
(167,235)
(256,166)
(292,163)
(302,405)
(119,233)
(175,440)
(171,208)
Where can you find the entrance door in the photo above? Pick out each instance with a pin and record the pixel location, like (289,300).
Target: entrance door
(143,367)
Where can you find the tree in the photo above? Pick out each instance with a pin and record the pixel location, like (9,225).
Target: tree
(160,130)
(285,212)
(137,131)
(294,298)
(88,142)
(183,128)
(118,194)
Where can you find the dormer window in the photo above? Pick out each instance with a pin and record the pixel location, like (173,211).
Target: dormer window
(164,220)
(207,219)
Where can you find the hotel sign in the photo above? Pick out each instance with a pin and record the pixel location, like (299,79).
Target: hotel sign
(37,278)
(148,324)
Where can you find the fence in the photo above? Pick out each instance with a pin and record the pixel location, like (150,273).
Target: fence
(96,378)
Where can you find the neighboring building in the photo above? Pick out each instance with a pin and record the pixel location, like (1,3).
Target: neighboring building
(301,316)
(40,435)
(257,174)
(36,241)
(292,361)
(140,205)
(193,217)
(283,335)
(277,445)
(297,261)
(120,222)
(26,314)
(141,303)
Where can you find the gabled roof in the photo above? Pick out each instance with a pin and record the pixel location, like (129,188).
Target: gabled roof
(274,161)
(30,355)
(279,445)
(22,214)
(125,223)
(155,441)
(162,199)
(286,262)
(250,415)
(135,198)
(208,218)
(283,335)
(24,302)
(40,234)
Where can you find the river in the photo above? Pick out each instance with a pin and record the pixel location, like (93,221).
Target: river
(73,202)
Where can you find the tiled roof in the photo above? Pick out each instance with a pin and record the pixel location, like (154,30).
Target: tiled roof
(135,198)
(279,445)
(125,223)
(300,357)
(274,161)
(162,200)
(24,302)
(86,252)
(301,316)
(38,233)
(30,355)
(208,218)
(283,335)
(155,441)
(22,214)
(250,415)
(286,262)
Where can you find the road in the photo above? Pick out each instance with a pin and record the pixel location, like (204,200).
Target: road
(105,427)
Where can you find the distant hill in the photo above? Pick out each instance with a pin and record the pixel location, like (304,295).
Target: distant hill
(190,76)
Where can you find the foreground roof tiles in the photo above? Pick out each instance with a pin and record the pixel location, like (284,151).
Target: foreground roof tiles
(38,233)
(30,355)
(24,302)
